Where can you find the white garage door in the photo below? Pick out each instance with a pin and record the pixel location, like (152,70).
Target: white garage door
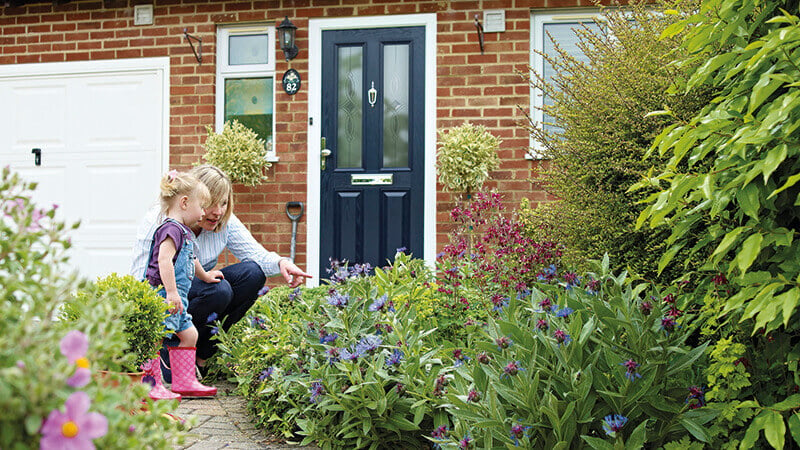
(102,128)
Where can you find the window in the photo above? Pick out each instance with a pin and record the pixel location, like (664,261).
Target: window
(545,28)
(246,80)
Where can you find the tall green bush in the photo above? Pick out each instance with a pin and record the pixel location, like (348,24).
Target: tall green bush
(466,155)
(742,207)
(601,108)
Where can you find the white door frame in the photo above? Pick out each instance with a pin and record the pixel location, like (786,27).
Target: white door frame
(131,65)
(315,29)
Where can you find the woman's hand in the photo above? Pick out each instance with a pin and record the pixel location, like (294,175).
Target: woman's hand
(292,274)
(212,276)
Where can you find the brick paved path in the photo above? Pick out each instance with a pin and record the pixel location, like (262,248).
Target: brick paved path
(223,422)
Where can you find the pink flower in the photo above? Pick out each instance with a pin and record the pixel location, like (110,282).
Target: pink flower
(74,429)
(74,346)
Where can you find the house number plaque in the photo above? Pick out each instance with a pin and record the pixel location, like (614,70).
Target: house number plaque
(291,82)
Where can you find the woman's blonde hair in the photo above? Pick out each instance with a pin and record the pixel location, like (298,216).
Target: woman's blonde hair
(220,187)
(175,184)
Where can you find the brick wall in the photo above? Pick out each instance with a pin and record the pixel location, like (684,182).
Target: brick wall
(483,89)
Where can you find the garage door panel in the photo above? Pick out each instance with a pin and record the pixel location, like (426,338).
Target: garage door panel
(42,120)
(103,138)
(124,111)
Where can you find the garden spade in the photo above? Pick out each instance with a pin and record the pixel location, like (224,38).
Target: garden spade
(294,217)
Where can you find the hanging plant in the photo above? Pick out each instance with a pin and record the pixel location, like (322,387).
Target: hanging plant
(239,152)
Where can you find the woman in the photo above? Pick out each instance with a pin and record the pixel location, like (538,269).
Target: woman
(219,230)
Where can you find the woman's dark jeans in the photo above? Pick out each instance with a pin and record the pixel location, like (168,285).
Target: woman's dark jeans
(230,299)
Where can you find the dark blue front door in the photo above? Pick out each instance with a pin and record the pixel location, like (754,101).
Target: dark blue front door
(373,91)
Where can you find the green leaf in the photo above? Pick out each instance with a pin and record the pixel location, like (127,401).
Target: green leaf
(637,437)
(791,181)
(794,427)
(773,159)
(697,430)
(748,200)
(728,240)
(791,402)
(762,90)
(774,429)
(751,247)
(597,443)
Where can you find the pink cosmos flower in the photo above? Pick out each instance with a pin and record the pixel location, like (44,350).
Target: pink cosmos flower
(75,428)
(74,346)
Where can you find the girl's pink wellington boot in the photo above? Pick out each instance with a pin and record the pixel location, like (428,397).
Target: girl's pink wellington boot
(158,391)
(184,378)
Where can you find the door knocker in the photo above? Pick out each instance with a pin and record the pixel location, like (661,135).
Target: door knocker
(372,95)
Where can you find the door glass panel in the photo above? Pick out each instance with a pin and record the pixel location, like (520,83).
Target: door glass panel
(351,93)
(249,100)
(395,105)
(248,49)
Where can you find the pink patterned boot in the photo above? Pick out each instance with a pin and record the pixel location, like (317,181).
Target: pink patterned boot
(184,378)
(158,391)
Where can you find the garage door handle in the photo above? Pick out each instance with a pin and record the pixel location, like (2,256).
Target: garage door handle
(37,156)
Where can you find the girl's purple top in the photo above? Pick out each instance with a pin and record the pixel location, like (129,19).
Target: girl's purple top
(178,233)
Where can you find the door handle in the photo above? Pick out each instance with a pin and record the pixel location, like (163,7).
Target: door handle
(37,156)
(323,154)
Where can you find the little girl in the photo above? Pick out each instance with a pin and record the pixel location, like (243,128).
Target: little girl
(172,264)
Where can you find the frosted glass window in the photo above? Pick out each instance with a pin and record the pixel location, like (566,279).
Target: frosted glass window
(351,95)
(564,34)
(249,100)
(248,49)
(395,105)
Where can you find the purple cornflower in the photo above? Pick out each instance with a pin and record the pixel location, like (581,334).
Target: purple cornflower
(503,342)
(541,324)
(439,434)
(696,398)
(593,287)
(669,299)
(256,321)
(613,423)
(369,343)
(646,308)
(518,432)
(266,373)
(338,300)
(484,358)
(719,279)
(212,317)
(631,369)
(511,369)
(459,357)
(572,279)
(214,331)
(465,443)
(263,291)
(473,396)
(563,312)
(668,324)
(674,312)
(295,293)
(350,355)
(562,337)
(395,357)
(316,390)
(378,303)
(546,304)
(499,302)
(325,338)
(333,355)
(547,274)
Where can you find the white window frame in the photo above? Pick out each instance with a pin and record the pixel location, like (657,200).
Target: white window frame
(538,39)
(225,71)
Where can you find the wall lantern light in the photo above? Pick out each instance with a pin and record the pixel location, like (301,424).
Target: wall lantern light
(286,34)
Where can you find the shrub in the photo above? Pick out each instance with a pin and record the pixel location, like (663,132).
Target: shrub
(37,376)
(239,152)
(601,108)
(742,207)
(467,153)
(557,361)
(141,312)
(346,369)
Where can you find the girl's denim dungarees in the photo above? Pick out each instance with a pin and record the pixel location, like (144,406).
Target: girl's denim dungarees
(184,272)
